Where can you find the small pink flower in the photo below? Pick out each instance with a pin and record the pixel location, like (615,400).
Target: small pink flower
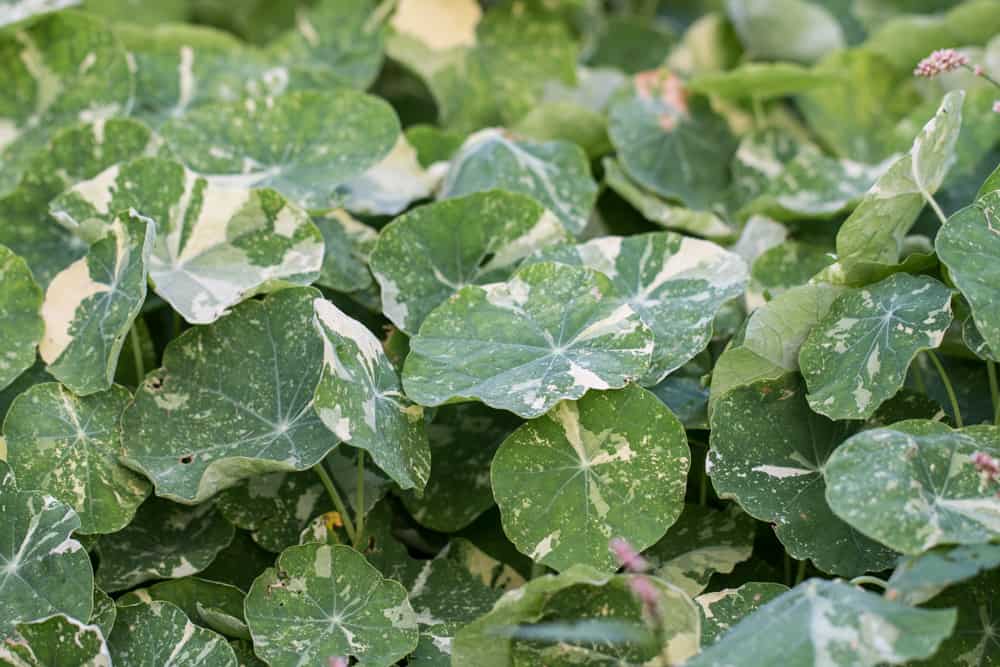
(939,62)
(978,70)
(628,556)
(987,466)
(338,661)
(996,107)
(646,592)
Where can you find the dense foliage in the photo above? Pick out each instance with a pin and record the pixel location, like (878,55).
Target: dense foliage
(593,333)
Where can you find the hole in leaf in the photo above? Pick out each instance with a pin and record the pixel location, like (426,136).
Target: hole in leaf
(187,458)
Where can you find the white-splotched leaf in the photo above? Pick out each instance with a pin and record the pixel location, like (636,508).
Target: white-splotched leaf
(360,399)
(89,306)
(215,246)
(974,641)
(676,284)
(721,610)
(768,452)
(210,604)
(390,186)
(424,257)
(65,68)
(164,541)
(301,144)
(15,11)
(670,143)
(443,590)
(323,601)
(795,30)
(917,579)
(784,266)
(556,173)
(830,623)
(56,640)
(233,399)
(45,571)
(347,245)
(67,446)
(702,542)
(612,464)
(913,485)
(551,332)
(969,245)
(104,613)
(158,633)
(856,357)
(21,325)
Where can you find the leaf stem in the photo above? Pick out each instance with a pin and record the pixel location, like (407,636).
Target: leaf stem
(331,490)
(178,325)
(867,579)
(800,573)
(937,209)
(134,343)
(758,112)
(991,371)
(946,381)
(359,505)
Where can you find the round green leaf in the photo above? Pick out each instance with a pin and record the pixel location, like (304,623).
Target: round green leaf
(768,452)
(555,173)
(393,184)
(203,602)
(424,257)
(786,265)
(345,257)
(233,400)
(16,11)
(324,601)
(785,29)
(301,144)
(67,446)
(856,357)
(919,578)
(613,464)
(56,640)
(723,609)
(158,633)
(21,325)
(443,591)
(913,485)
(551,332)
(760,80)
(975,641)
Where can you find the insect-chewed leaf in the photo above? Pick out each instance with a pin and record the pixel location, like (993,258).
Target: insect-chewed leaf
(67,67)
(917,579)
(613,464)
(360,399)
(768,452)
(164,541)
(913,485)
(45,570)
(21,325)
(347,245)
(89,306)
(67,446)
(723,609)
(833,623)
(670,143)
(551,332)
(974,640)
(158,633)
(204,602)
(555,173)
(856,357)
(56,640)
(323,601)
(675,283)
(303,154)
(233,399)
(424,257)
(588,616)
(215,246)
(969,245)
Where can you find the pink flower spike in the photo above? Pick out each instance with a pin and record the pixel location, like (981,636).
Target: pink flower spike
(987,466)
(626,554)
(939,62)
(646,592)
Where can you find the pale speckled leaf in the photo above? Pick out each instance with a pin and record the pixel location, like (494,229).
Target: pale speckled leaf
(158,633)
(721,610)
(974,642)
(795,30)
(555,173)
(215,246)
(90,305)
(390,186)
(21,325)
(676,284)
(670,143)
(576,596)
(323,601)
(787,265)
(105,612)
(913,485)
(969,245)
(484,567)
(54,641)
(164,541)
(551,332)
(67,446)
(303,154)
(768,452)
(204,602)
(443,591)
(347,244)
(613,464)
(434,646)
(917,579)
(830,623)
(758,235)
(15,11)
(424,257)
(45,571)
(463,439)
(702,542)
(360,399)
(233,399)
(67,67)
(856,357)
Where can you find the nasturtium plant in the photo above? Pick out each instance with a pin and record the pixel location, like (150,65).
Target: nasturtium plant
(490,333)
